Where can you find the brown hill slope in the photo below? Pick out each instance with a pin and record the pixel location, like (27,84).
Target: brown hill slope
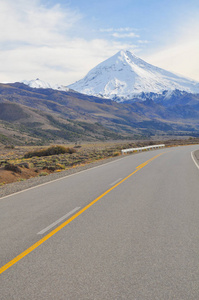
(46,115)
(20,125)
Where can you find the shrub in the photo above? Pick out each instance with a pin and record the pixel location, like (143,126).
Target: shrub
(116,153)
(60,166)
(13,168)
(24,165)
(9,147)
(43,174)
(53,150)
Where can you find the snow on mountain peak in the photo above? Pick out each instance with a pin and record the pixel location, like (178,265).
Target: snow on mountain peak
(125,75)
(40,84)
(37,83)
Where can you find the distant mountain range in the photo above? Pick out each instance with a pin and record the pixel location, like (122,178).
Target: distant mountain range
(149,101)
(44,115)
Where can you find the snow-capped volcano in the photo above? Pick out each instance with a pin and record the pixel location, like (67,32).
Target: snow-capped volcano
(124,76)
(40,84)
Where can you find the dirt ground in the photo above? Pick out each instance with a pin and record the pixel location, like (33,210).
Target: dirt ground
(9,176)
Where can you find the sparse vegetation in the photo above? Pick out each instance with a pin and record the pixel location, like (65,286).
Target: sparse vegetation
(53,150)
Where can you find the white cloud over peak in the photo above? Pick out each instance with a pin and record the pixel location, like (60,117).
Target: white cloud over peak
(124,35)
(120,33)
(121,29)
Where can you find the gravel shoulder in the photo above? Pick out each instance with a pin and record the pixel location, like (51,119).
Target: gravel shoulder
(15,187)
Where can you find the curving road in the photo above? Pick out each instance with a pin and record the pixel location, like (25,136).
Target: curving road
(123,230)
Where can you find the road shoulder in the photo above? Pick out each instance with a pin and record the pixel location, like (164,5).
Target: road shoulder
(195,157)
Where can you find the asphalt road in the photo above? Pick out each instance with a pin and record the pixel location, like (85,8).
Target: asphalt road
(127,233)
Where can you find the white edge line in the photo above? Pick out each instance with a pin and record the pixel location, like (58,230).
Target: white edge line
(116,181)
(194,160)
(59,220)
(61,178)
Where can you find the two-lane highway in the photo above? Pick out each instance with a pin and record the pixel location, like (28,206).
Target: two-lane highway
(124,230)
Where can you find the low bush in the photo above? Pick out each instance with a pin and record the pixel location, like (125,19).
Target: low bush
(43,174)
(53,150)
(116,153)
(24,165)
(9,147)
(13,168)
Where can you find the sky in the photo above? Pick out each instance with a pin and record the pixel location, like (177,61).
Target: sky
(59,41)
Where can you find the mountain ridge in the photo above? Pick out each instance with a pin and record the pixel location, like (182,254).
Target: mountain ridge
(47,115)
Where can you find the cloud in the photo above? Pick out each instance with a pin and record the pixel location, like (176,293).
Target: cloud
(121,29)
(106,30)
(37,41)
(125,35)
(120,33)
(143,42)
(32,23)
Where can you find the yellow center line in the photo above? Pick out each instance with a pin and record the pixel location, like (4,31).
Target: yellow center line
(148,161)
(142,165)
(45,238)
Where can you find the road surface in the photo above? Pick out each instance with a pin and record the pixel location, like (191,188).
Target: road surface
(123,230)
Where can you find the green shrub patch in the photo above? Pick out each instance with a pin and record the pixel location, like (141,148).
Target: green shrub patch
(53,150)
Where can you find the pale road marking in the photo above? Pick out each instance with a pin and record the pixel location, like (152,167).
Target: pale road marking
(59,220)
(194,160)
(116,181)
